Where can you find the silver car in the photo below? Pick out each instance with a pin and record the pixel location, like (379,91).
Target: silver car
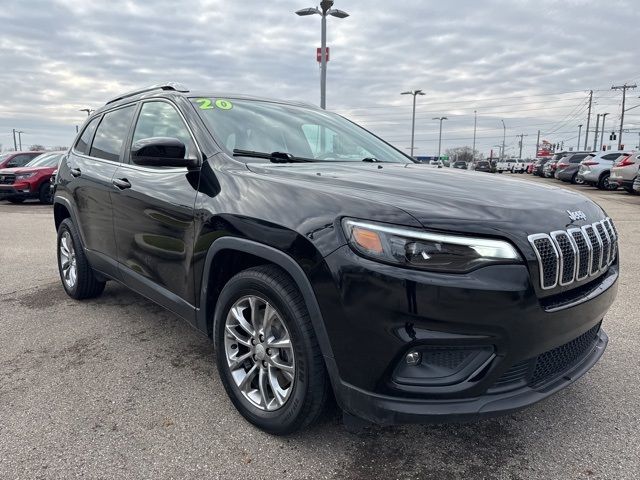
(625,171)
(597,170)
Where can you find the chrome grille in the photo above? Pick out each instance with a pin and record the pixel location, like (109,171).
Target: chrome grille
(565,257)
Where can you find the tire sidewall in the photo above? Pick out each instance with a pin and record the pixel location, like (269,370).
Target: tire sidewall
(287,416)
(67,226)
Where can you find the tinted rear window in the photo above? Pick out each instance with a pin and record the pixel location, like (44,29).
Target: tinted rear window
(112,133)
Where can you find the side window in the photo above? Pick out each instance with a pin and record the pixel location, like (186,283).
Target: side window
(83,143)
(20,160)
(160,119)
(112,133)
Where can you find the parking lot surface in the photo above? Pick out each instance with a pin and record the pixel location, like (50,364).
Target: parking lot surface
(117,387)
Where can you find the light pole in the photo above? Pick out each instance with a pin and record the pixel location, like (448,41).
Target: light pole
(440,136)
(579,132)
(413,117)
(475,125)
(604,115)
(595,137)
(324,10)
(20,132)
(504,138)
(88,110)
(15,144)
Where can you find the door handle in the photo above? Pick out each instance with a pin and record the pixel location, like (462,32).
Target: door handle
(121,183)
(75,172)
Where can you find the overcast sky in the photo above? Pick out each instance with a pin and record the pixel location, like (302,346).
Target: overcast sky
(530,63)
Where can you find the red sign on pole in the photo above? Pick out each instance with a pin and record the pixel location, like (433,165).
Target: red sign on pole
(319,54)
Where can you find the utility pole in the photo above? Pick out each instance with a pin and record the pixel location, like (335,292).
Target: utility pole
(538,144)
(324,10)
(586,132)
(579,132)
(604,116)
(475,125)
(15,145)
(522,135)
(413,118)
(624,89)
(504,137)
(20,132)
(595,137)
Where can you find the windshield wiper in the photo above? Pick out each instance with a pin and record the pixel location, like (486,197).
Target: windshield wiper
(274,157)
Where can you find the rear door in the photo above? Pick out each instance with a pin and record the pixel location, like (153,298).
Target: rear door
(154,214)
(92,163)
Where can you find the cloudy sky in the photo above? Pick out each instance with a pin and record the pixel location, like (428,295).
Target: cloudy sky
(530,63)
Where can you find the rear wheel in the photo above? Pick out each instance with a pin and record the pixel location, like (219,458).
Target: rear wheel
(44,194)
(76,274)
(577,180)
(267,353)
(606,184)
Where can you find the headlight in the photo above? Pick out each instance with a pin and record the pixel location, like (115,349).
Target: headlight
(24,176)
(426,250)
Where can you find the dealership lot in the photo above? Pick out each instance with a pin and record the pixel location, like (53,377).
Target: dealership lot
(118,387)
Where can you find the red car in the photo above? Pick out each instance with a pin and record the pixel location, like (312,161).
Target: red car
(17,159)
(30,181)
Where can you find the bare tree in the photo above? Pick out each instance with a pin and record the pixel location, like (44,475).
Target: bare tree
(464,154)
(36,147)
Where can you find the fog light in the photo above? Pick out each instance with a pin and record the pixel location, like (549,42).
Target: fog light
(413,358)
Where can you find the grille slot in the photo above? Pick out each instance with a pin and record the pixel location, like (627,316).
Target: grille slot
(596,246)
(7,179)
(565,257)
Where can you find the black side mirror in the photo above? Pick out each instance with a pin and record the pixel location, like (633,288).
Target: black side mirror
(161,152)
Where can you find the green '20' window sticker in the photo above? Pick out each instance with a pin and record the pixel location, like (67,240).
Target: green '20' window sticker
(208,104)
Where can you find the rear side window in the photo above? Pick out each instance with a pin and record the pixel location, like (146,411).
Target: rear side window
(577,158)
(83,143)
(112,133)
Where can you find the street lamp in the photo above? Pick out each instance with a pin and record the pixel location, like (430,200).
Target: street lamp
(88,110)
(579,133)
(440,136)
(504,138)
(413,118)
(324,10)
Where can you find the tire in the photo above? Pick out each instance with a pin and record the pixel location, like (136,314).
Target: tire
(44,194)
(16,200)
(631,191)
(604,184)
(85,284)
(308,388)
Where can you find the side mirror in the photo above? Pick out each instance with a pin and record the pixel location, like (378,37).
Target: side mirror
(161,152)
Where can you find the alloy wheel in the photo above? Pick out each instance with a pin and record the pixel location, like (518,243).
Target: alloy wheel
(68,264)
(259,353)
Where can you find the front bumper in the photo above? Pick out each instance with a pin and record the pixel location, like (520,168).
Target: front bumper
(380,313)
(20,190)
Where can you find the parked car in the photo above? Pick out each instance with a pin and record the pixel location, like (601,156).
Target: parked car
(625,171)
(597,170)
(30,181)
(549,169)
(482,166)
(538,167)
(636,184)
(314,268)
(460,164)
(17,159)
(511,165)
(567,168)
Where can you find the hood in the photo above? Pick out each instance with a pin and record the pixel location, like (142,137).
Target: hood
(447,199)
(23,170)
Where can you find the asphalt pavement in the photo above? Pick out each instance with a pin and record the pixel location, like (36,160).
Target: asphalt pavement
(118,387)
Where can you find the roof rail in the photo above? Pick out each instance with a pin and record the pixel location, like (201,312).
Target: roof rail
(174,86)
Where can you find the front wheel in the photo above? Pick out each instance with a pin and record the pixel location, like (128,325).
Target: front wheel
(76,274)
(267,353)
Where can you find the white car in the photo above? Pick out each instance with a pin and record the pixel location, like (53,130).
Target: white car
(596,170)
(512,165)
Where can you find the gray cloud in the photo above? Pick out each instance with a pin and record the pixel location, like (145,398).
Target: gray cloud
(493,57)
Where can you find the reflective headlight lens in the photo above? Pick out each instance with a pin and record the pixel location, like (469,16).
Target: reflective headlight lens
(24,176)
(426,250)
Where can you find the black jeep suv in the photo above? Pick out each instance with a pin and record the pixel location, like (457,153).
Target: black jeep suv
(321,259)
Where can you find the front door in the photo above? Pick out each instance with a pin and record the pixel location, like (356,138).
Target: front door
(153,215)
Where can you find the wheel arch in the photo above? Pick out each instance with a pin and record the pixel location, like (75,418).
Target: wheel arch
(259,253)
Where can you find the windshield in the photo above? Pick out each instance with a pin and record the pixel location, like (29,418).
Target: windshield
(259,126)
(45,160)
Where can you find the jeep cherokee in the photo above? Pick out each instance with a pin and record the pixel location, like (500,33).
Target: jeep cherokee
(321,259)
